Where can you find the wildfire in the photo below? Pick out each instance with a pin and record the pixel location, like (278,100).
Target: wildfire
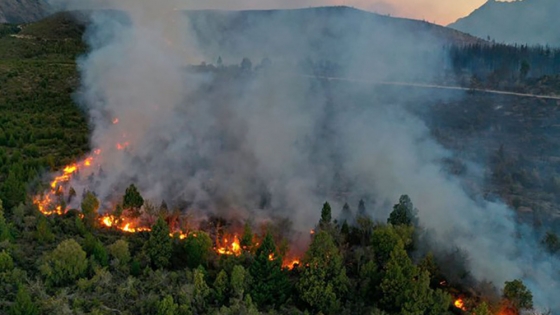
(122,146)
(230,249)
(290,264)
(50,203)
(460,304)
(125,226)
(46,201)
(115,121)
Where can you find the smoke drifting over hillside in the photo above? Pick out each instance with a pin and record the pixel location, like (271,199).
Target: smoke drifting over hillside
(271,143)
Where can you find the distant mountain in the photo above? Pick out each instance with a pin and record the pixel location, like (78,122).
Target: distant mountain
(533,22)
(22,11)
(365,44)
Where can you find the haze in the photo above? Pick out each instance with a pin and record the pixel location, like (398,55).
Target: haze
(438,11)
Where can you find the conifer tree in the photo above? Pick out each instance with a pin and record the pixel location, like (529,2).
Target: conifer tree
(270,285)
(159,245)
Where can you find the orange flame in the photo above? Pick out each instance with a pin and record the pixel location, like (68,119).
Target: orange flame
(290,264)
(115,121)
(460,304)
(230,249)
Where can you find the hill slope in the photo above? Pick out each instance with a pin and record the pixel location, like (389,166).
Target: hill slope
(22,11)
(364,43)
(525,22)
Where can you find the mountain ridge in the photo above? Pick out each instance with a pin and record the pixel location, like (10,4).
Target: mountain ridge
(22,11)
(532,22)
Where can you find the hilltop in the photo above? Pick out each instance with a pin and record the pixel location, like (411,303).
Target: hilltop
(532,22)
(22,11)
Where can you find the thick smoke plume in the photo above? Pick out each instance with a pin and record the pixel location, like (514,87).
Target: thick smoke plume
(270,143)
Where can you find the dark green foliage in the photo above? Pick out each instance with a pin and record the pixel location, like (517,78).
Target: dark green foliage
(270,286)
(326,216)
(4,226)
(220,287)
(23,304)
(237,282)
(403,213)
(201,291)
(246,241)
(406,289)
(64,264)
(6,261)
(13,188)
(90,205)
(517,295)
(43,234)
(120,251)
(132,200)
(551,242)
(198,246)
(323,283)
(167,306)
(159,245)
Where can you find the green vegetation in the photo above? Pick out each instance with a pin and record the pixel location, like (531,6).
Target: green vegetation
(68,264)
(40,126)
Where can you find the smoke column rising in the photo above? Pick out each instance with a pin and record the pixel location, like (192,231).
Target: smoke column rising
(277,144)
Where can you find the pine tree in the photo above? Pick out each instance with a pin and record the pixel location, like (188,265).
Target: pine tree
(403,213)
(270,285)
(246,242)
(201,291)
(132,200)
(159,245)
(220,287)
(323,282)
(198,246)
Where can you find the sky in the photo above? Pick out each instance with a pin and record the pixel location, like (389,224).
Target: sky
(436,11)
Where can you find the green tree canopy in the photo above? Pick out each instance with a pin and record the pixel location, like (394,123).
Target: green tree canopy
(517,295)
(323,282)
(132,200)
(198,246)
(167,306)
(64,264)
(4,226)
(23,304)
(159,245)
(90,205)
(270,284)
(403,213)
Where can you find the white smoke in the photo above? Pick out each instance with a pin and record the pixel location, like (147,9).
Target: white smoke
(274,143)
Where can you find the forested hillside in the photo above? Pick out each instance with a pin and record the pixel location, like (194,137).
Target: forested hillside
(60,259)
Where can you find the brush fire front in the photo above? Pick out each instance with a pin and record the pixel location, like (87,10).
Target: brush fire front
(51,202)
